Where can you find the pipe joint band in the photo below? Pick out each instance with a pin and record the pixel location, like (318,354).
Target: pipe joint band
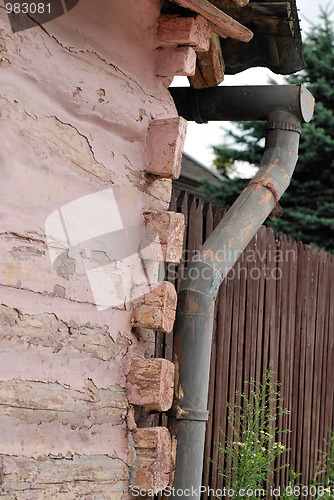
(189,414)
(292,127)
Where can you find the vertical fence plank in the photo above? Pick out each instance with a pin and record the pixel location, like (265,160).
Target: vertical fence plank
(295,421)
(242,359)
(224,337)
(290,257)
(325,356)
(233,348)
(321,293)
(309,362)
(252,306)
(303,351)
(271,329)
(281,278)
(259,321)
(291,292)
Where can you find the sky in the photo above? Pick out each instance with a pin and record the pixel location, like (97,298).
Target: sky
(201,137)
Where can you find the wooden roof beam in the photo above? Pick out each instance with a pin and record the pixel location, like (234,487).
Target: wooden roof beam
(274,18)
(222,24)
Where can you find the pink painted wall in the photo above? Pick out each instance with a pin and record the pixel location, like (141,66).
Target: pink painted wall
(77,96)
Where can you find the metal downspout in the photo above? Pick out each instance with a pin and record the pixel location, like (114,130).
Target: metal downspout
(194,319)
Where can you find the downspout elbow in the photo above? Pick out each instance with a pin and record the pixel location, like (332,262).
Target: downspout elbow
(195,312)
(242,221)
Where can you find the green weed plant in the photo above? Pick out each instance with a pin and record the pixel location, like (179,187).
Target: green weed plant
(250,451)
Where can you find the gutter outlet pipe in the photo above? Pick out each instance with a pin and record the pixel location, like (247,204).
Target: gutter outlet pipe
(284,108)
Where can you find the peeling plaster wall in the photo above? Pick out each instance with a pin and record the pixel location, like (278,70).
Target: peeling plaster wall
(77,96)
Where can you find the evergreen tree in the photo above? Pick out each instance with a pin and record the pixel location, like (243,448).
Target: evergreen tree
(308,203)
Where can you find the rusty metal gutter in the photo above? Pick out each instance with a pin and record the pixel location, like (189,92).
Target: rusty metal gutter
(284,108)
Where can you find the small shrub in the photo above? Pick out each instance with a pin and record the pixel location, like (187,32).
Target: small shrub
(250,454)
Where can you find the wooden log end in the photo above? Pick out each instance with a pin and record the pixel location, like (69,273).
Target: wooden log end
(164,236)
(156,310)
(150,383)
(210,66)
(154,459)
(176,30)
(179,61)
(165,160)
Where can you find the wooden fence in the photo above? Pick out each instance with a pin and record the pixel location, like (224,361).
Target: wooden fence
(276,305)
